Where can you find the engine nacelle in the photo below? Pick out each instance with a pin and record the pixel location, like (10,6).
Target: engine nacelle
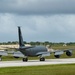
(0,55)
(69,53)
(16,57)
(57,56)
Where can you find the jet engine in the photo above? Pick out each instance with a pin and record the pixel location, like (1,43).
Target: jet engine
(69,53)
(0,55)
(57,56)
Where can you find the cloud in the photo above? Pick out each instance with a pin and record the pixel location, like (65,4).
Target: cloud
(37,7)
(6,22)
(40,20)
(54,28)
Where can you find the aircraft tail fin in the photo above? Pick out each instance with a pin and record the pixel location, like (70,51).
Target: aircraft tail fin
(21,43)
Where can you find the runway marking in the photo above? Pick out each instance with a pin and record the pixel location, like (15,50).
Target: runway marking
(36,62)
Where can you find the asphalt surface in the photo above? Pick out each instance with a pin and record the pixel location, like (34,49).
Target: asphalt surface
(36,62)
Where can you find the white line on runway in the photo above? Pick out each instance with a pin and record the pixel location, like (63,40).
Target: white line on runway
(36,62)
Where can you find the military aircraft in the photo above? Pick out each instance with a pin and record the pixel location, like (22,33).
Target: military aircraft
(33,51)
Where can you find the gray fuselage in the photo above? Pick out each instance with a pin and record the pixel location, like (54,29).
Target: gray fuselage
(33,51)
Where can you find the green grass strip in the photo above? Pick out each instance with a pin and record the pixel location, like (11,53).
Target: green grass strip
(67,69)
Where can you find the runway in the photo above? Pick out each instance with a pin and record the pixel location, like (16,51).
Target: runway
(36,62)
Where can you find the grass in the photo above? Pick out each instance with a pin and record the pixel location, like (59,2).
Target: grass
(68,69)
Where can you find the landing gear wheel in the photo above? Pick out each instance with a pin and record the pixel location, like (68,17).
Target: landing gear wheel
(42,59)
(25,59)
(0,59)
(57,56)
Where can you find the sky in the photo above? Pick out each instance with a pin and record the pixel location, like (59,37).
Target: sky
(40,20)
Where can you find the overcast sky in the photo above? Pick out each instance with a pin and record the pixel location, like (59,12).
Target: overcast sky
(40,20)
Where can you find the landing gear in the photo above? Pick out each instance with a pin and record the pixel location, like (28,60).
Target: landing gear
(0,58)
(25,59)
(57,56)
(42,59)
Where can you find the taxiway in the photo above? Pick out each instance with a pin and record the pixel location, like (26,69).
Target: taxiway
(36,62)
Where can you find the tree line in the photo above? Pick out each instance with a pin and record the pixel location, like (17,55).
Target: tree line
(37,43)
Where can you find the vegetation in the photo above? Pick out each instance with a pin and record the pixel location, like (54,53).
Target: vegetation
(68,69)
(38,43)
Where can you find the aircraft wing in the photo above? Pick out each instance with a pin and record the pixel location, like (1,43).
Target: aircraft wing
(11,53)
(43,54)
(18,54)
(4,53)
(57,53)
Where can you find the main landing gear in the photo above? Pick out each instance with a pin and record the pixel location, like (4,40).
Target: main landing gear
(25,59)
(42,59)
(0,58)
